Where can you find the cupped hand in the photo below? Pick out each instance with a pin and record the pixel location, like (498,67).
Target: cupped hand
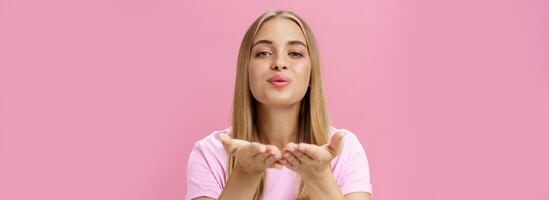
(251,157)
(311,161)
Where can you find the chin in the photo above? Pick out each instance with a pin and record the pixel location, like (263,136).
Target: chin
(280,103)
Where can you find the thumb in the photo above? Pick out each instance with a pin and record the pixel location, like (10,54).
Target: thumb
(335,143)
(227,142)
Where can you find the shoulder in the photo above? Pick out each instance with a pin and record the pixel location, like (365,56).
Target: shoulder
(351,168)
(210,148)
(351,147)
(211,141)
(206,166)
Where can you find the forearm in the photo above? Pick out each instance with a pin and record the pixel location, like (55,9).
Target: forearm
(241,185)
(323,187)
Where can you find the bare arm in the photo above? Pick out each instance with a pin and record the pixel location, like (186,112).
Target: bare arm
(358,195)
(241,185)
(351,196)
(313,164)
(325,187)
(252,161)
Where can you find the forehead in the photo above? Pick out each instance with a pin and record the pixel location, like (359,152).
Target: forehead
(279,30)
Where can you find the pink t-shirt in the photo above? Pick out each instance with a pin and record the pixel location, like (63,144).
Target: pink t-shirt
(208,161)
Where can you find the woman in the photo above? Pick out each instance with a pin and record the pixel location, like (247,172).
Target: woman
(280,144)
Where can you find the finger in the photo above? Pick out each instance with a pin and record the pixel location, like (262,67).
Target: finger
(335,143)
(271,161)
(290,147)
(290,158)
(302,157)
(258,152)
(289,164)
(275,154)
(277,166)
(227,142)
(273,150)
(270,151)
(310,150)
(260,157)
(238,143)
(255,148)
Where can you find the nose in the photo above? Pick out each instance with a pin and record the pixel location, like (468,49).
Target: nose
(279,64)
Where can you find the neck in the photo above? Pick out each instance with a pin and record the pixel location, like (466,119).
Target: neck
(278,125)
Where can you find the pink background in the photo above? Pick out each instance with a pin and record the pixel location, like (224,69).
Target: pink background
(103,99)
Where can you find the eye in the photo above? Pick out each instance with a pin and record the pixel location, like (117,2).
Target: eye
(296,54)
(263,54)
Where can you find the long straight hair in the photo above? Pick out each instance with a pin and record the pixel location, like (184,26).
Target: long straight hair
(313,115)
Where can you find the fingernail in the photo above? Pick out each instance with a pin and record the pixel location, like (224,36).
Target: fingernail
(292,148)
(302,148)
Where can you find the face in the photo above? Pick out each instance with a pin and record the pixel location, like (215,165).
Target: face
(280,67)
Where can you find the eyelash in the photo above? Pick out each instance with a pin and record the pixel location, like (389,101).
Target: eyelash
(262,53)
(292,54)
(298,54)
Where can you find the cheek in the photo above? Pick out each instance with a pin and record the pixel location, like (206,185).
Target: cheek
(255,71)
(304,73)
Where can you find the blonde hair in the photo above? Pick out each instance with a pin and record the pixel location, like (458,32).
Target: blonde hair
(313,116)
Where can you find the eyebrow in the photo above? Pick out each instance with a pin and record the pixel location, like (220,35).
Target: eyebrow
(292,42)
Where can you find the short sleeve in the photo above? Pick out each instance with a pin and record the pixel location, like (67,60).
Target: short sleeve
(356,172)
(200,177)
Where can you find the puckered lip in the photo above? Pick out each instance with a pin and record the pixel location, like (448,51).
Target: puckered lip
(279,78)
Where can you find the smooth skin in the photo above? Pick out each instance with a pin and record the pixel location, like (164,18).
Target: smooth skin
(280,49)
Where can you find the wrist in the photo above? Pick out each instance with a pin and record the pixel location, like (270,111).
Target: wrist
(323,186)
(248,172)
(318,177)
